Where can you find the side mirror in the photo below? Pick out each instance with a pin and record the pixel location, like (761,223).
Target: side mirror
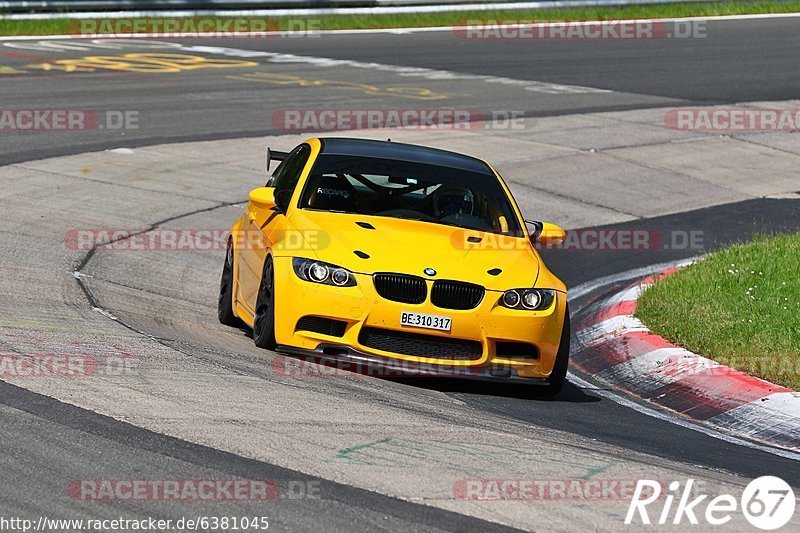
(548,234)
(282,199)
(263,197)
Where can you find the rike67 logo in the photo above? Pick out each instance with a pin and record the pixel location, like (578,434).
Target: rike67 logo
(767,503)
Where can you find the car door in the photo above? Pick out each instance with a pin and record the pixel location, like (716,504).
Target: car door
(261,224)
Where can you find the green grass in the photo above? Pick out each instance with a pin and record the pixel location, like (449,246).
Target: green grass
(740,307)
(332,22)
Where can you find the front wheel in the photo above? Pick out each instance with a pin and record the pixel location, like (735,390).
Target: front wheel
(264,320)
(559,374)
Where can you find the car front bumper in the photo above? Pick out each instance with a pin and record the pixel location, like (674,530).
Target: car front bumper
(361,306)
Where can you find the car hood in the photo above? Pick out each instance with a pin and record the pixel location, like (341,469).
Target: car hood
(369,244)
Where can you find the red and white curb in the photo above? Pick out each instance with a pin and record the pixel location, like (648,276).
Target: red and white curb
(618,349)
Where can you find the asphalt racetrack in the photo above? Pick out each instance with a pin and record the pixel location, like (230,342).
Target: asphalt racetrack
(356,452)
(737,61)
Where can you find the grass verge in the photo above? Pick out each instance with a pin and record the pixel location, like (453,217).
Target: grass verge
(336,22)
(740,307)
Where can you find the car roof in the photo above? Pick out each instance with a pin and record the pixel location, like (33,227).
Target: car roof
(402,152)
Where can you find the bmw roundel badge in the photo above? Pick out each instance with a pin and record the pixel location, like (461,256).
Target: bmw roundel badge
(429,272)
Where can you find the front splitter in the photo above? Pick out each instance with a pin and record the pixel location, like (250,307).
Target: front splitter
(346,358)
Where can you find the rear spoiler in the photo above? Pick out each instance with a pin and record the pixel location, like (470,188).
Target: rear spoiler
(275,155)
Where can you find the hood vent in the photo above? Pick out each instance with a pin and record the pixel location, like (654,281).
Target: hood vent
(365,225)
(494,272)
(362,255)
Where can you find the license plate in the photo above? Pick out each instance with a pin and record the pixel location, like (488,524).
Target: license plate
(421,320)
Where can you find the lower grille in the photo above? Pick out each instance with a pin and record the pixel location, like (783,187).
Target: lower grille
(456,294)
(401,288)
(420,345)
(322,325)
(515,350)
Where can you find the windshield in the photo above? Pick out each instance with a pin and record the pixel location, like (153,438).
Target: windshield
(415,191)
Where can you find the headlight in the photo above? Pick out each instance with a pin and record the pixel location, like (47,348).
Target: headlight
(340,277)
(320,272)
(530,299)
(511,299)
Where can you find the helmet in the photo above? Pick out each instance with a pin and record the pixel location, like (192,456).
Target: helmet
(453,201)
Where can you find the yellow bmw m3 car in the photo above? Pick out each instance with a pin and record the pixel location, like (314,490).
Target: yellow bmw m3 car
(399,260)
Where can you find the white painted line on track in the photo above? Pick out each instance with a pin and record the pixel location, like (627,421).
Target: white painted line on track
(585,288)
(369,11)
(403,71)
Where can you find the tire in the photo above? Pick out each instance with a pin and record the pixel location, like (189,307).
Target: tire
(264,320)
(225,304)
(559,374)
